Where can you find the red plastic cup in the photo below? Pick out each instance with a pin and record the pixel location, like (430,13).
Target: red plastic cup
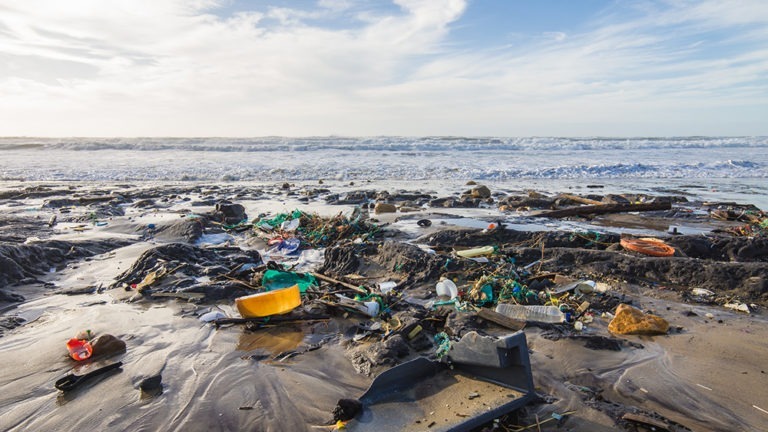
(79,349)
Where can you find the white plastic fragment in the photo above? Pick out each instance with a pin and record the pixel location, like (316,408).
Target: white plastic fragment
(446,287)
(741,307)
(701,292)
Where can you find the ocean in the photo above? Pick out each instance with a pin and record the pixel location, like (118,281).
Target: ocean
(730,165)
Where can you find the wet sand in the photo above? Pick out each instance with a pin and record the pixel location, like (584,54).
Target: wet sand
(709,373)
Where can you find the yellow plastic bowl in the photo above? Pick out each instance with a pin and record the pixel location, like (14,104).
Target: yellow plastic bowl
(269,303)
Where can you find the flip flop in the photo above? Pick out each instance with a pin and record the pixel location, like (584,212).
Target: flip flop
(72,381)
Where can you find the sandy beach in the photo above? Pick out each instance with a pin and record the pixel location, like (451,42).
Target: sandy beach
(145,261)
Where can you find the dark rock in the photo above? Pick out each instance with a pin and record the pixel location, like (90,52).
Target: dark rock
(193,260)
(602,343)
(346,409)
(722,248)
(615,199)
(354,198)
(90,289)
(18,262)
(365,358)
(467,201)
(152,383)
(480,192)
(459,324)
(150,379)
(8,297)
(229,213)
(60,202)
(105,211)
(11,322)
(215,291)
(446,202)
(188,229)
(107,345)
(344,259)
(144,203)
(515,202)
(407,261)
(203,203)
(384,208)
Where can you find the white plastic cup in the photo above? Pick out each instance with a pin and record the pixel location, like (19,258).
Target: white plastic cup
(373,308)
(446,287)
(386,287)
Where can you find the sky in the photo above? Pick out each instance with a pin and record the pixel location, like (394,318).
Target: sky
(236,68)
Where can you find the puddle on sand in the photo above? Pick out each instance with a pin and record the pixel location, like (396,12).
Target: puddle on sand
(435,403)
(286,338)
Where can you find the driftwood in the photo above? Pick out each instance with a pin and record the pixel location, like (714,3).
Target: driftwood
(604,209)
(501,320)
(338,282)
(579,199)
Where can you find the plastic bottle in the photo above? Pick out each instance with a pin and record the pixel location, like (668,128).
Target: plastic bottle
(79,349)
(547,314)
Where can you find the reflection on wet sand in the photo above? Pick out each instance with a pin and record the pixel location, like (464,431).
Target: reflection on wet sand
(275,340)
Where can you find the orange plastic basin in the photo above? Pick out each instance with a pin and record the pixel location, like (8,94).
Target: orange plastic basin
(648,246)
(269,303)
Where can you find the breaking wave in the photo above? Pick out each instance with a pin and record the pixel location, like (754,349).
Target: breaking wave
(378,144)
(381,158)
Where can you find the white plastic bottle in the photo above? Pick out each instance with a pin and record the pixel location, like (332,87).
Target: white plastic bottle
(547,314)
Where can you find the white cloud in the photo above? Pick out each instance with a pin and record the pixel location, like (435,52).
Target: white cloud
(173,67)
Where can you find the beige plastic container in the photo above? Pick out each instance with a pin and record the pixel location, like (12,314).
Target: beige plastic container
(475,252)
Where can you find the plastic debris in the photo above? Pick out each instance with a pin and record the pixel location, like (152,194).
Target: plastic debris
(276,279)
(476,252)
(548,314)
(387,287)
(740,307)
(269,303)
(447,288)
(212,316)
(443,344)
(79,349)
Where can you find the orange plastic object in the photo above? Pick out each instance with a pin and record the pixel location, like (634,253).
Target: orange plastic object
(79,349)
(648,246)
(269,303)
